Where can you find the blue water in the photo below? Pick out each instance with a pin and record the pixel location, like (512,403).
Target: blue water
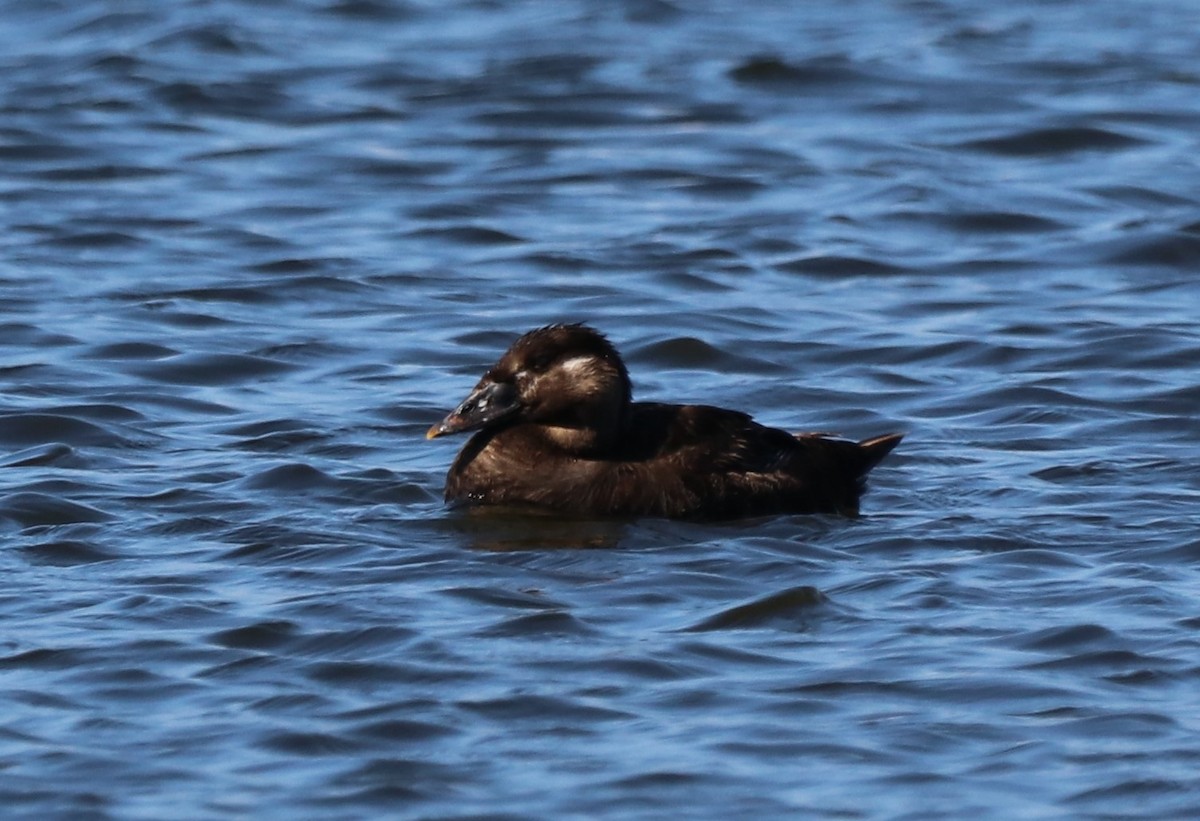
(250,252)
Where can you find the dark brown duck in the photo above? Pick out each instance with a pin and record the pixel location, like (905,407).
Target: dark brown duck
(558,430)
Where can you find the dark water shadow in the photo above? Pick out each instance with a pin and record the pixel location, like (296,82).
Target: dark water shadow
(504,529)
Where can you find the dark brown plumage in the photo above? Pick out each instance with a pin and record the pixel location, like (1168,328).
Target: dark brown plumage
(557,430)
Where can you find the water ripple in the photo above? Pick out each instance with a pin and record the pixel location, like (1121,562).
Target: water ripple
(250,257)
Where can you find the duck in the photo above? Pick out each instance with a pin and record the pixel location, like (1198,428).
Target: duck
(555,429)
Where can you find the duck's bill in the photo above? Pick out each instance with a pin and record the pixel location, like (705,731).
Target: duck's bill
(488,403)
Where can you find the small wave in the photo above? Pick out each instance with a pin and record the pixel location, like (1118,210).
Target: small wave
(23,334)
(68,553)
(104,172)
(790,605)
(984,222)
(47,428)
(1171,250)
(210,369)
(53,453)
(543,709)
(253,99)
(770,71)
(1044,142)
(129,350)
(1070,636)
(294,477)
(469,235)
(690,353)
(833,265)
(266,635)
(38,509)
(281,441)
(537,625)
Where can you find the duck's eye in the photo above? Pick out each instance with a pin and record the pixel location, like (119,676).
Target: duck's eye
(540,364)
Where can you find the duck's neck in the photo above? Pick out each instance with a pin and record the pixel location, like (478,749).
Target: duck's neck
(597,435)
(576,441)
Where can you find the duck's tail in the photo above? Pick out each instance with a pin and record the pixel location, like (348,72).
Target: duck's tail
(874,449)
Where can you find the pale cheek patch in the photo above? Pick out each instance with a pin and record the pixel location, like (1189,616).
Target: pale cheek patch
(578,364)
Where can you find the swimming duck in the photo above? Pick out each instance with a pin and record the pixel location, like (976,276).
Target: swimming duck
(557,430)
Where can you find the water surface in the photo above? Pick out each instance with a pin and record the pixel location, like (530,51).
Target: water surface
(250,252)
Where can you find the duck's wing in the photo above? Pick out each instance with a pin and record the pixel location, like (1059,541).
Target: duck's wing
(731,465)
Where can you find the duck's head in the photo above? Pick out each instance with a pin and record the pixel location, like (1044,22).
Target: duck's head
(568,379)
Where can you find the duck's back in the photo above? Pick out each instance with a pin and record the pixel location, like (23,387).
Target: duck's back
(681,461)
(725,464)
